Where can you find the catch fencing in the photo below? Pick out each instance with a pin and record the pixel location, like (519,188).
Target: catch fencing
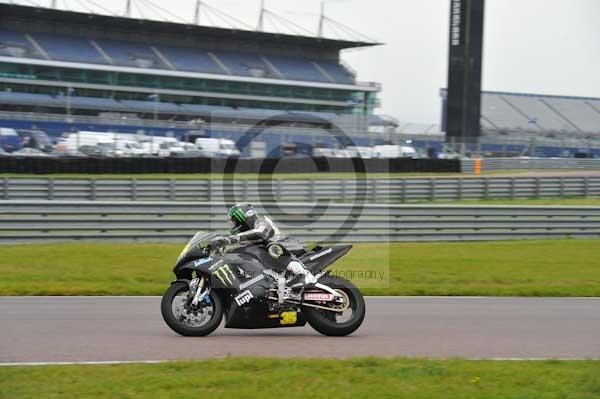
(375,190)
(491,164)
(30,221)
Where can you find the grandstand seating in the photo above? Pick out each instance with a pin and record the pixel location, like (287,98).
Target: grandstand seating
(150,106)
(25,98)
(88,102)
(131,54)
(15,44)
(580,113)
(539,113)
(242,64)
(68,48)
(498,114)
(190,61)
(337,72)
(297,68)
(109,104)
(511,112)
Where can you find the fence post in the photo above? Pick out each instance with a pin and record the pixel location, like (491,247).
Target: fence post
(486,192)
(312,190)
(537,187)
(512,188)
(459,193)
(279,189)
(404,190)
(586,186)
(373,190)
(50,188)
(134,189)
(245,190)
(562,187)
(343,199)
(432,189)
(5,184)
(93,189)
(209,190)
(172,194)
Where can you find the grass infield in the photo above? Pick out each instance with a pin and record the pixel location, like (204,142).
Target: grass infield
(309,378)
(565,267)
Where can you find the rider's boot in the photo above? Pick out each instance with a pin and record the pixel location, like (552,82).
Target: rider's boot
(304,278)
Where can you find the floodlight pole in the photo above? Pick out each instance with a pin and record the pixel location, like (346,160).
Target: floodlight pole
(54,4)
(321,20)
(197,13)
(128,9)
(261,17)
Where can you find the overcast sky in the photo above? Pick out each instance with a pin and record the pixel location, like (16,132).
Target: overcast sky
(537,46)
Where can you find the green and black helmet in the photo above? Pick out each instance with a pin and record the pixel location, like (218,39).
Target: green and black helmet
(241,218)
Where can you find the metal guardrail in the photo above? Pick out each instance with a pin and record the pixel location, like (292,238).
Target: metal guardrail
(30,221)
(384,190)
(490,164)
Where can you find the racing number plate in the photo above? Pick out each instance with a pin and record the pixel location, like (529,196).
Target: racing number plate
(288,318)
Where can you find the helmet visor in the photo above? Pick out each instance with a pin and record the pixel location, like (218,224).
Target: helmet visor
(233,227)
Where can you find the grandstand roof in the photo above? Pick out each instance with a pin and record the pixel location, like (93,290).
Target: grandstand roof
(108,23)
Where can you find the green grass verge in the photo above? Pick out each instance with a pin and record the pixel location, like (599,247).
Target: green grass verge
(309,378)
(565,267)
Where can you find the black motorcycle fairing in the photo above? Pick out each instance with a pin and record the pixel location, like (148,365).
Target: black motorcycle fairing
(257,315)
(181,280)
(261,254)
(322,257)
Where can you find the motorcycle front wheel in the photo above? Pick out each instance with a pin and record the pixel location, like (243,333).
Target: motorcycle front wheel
(187,320)
(338,324)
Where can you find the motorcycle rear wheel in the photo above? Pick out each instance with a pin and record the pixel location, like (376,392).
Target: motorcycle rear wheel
(177,324)
(330,323)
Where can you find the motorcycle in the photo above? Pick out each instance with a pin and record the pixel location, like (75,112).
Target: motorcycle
(248,285)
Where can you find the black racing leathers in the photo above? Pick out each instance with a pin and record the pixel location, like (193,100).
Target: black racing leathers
(264,232)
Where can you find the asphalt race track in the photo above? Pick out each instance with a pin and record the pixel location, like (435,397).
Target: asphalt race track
(83,329)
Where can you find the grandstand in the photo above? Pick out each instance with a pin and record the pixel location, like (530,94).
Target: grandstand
(66,71)
(534,124)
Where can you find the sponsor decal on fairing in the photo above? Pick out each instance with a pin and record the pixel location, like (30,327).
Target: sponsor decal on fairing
(243,298)
(213,267)
(225,275)
(318,296)
(252,282)
(317,256)
(203,261)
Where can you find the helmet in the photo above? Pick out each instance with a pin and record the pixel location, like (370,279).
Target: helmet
(241,218)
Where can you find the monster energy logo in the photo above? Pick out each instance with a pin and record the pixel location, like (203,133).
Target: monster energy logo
(224,274)
(238,215)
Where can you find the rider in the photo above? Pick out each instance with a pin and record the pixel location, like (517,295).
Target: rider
(246,226)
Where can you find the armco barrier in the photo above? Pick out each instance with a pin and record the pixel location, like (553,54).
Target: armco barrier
(378,190)
(30,221)
(220,165)
(491,164)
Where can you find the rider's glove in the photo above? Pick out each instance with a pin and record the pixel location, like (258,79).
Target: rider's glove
(219,242)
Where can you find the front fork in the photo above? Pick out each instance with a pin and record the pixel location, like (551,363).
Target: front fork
(197,292)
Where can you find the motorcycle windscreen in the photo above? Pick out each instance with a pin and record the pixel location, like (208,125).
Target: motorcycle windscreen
(200,240)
